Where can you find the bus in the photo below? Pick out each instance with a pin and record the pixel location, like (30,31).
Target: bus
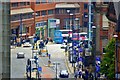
(58,38)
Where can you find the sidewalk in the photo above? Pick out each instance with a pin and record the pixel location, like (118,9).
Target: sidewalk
(68,64)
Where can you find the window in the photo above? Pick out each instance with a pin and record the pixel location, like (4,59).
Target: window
(30,15)
(85,14)
(28,3)
(50,12)
(38,13)
(50,1)
(14,5)
(105,2)
(37,1)
(77,10)
(43,1)
(22,3)
(15,17)
(85,24)
(43,13)
(104,51)
(85,6)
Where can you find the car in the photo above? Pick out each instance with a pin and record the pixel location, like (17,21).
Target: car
(26,44)
(20,55)
(63,74)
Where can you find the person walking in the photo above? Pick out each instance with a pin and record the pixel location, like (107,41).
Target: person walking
(46,41)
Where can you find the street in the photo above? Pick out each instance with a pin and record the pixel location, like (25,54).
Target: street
(18,68)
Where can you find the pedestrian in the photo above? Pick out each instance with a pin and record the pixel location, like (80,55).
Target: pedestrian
(80,73)
(46,41)
(76,74)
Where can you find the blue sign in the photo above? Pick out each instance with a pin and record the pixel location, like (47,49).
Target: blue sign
(39,69)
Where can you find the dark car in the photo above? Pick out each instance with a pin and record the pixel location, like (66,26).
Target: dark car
(63,74)
(20,55)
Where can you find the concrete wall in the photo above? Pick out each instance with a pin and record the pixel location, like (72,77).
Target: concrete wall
(5,40)
(1,41)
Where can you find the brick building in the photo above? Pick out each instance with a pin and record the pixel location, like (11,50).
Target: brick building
(33,15)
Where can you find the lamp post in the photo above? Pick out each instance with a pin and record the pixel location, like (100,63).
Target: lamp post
(94,49)
(21,29)
(68,11)
(116,56)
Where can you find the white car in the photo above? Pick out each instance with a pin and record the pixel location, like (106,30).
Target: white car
(27,44)
(20,55)
(63,74)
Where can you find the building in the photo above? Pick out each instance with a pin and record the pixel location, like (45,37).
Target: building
(43,17)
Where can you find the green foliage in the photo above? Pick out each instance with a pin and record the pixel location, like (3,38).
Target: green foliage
(108,61)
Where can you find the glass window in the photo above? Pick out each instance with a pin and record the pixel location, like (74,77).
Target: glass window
(43,1)
(77,10)
(56,11)
(85,6)
(37,1)
(85,14)
(50,1)
(43,13)
(22,3)
(28,3)
(14,17)
(85,24)
(50,12)
(38,13)
(30,15)
(14,4)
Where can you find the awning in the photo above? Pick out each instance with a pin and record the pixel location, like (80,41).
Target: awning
(65,5)
(23,10)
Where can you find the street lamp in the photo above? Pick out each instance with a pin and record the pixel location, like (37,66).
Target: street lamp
(21,28)
(116,57)
(34,16)
(94,48)
(68,11)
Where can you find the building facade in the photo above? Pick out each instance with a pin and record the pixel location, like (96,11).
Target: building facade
(28,18)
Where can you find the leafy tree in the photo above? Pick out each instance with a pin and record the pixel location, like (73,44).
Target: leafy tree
(108,61)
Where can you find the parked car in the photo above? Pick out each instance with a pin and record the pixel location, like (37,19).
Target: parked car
(63,74)
(26,44)
(20,55)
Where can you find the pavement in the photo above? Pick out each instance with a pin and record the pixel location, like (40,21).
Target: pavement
(69,66)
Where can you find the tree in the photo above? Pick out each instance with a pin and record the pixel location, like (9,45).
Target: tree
(108,61)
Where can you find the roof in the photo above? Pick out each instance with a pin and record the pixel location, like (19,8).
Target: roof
(23,10)
(65,5)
